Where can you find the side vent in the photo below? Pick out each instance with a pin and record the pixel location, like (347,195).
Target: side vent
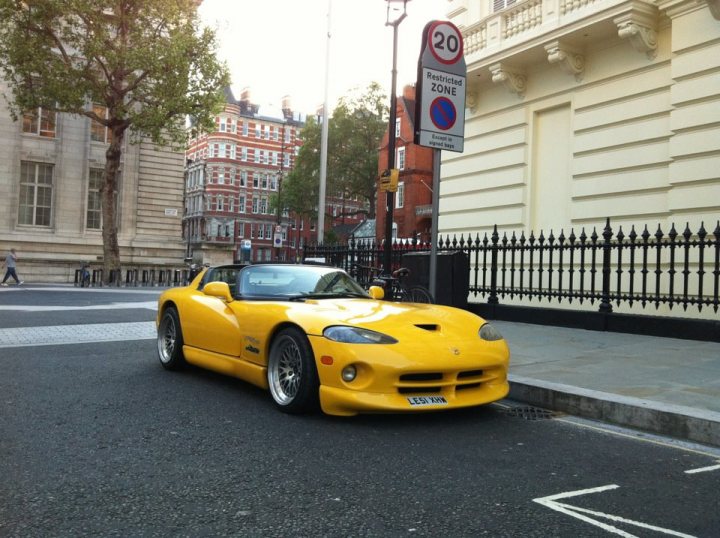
(428,326)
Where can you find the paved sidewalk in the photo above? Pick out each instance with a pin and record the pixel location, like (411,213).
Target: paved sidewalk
(663,385)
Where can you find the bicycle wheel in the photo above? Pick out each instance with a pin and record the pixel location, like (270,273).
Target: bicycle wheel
(414,294)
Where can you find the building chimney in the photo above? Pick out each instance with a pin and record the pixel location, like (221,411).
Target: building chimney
(409,92)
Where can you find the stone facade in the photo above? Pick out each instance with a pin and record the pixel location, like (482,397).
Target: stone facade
(51,248)
(578,111)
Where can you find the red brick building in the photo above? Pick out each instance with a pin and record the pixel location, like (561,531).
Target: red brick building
(412,214)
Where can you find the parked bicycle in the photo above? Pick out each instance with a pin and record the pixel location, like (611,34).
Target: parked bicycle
(396,286)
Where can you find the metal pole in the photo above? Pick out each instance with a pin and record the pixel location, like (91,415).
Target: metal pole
(324,138)
(390,197)
(434,221)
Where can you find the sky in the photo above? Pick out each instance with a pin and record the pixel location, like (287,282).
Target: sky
(278,47)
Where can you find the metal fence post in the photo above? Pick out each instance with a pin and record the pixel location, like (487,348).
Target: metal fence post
(493,299)
(605,305)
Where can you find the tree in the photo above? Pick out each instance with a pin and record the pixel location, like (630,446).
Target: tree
(146,63)
(355,132)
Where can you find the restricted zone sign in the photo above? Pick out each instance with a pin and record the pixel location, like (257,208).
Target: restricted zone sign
(440,107)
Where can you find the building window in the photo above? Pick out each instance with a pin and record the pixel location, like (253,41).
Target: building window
(36,193)
(241,204)
(286,134)
(220,203)
(243,178)
(401,158)
(264,205)
(257,130)
(502,4)
(256,179)
(268,231)
(39,122)
(275,133)
(264,183)
(243,154)
(93,218)
(267,132)
(397,128)
(98,132)
(400,195)
(245,128)
(255,202)
(273,183)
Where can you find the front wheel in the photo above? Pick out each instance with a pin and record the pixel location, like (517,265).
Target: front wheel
(292,374)
(170,340)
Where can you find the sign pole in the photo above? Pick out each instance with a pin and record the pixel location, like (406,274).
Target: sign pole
(440,109)
(434,224)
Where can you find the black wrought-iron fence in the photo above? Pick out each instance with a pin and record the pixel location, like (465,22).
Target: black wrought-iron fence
(649,268)
(147,276)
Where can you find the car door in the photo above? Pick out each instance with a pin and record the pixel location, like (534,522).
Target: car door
(210,323)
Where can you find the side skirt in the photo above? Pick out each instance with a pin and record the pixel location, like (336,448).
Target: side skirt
(231,366)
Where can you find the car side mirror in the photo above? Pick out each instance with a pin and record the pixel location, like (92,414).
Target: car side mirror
(376,292)
(221,290)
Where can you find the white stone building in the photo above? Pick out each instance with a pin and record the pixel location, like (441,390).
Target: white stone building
(583,110)
(50,166)
(578,110)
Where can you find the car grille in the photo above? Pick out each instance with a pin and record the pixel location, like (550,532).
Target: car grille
(437,382)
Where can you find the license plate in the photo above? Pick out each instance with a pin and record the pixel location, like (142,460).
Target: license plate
(419,401)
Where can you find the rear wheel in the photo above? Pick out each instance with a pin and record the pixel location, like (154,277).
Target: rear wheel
(414,294)
(292,374)
(170,340)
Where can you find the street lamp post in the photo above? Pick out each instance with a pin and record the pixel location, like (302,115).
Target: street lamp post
(390,196)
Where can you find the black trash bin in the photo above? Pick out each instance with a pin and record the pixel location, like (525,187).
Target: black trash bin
(452,279)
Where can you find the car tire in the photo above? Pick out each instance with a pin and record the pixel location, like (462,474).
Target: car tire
(170,340)
(292,373)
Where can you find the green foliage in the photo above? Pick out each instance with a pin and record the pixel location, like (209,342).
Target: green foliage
(354,135)
(147,61)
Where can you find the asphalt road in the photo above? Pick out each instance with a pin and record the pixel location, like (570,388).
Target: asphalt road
(97,439)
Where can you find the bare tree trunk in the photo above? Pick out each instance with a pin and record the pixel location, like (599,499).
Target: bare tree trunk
(111,248)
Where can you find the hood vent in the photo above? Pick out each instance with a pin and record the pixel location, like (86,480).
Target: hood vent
(428,326)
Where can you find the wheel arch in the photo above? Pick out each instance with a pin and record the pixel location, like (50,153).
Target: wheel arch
(281,327)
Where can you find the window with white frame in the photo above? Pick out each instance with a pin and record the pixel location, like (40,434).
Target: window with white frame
(243,178)
(400,195)
(241,204)
(245,128)
(397,127)
(255,203)
(220,203)
(241,229)
(257,130)
(264,205)
(231,204)
(223,127)
(243,154)
(264,183)
(39,121)
(93,215)
(36,193)
(221,177)
(256,180)
(98,131)
(267,132)
(401,158)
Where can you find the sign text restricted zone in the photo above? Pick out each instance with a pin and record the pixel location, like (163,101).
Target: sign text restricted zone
(443,113)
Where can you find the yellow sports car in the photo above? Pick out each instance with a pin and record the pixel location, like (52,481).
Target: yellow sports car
(314,337)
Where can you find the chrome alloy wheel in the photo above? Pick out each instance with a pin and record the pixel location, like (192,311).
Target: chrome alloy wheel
(167,335)
(285,371)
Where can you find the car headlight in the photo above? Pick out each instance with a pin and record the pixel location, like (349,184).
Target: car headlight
(489,333)
(356,335)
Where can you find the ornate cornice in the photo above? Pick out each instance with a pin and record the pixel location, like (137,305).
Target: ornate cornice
(639,28)
(513,79)
(568,58)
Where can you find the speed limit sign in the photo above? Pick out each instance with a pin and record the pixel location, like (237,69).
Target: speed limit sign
(440,102)
(445,42)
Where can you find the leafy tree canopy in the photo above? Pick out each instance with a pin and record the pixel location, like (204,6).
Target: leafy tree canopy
(354,135)
(147,62)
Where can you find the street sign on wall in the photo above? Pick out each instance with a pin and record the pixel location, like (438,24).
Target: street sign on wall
(440,106)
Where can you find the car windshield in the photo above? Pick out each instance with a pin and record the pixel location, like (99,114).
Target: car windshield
(296,282)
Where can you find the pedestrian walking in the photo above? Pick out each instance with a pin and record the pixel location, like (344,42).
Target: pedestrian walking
(11,265)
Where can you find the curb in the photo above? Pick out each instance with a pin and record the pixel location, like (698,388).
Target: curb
(676,421)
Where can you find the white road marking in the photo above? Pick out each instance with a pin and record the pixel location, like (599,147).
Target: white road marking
(150,305)
(703,469)
(76,334)
(577,512)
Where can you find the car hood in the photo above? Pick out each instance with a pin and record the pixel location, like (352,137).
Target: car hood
(383,316)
